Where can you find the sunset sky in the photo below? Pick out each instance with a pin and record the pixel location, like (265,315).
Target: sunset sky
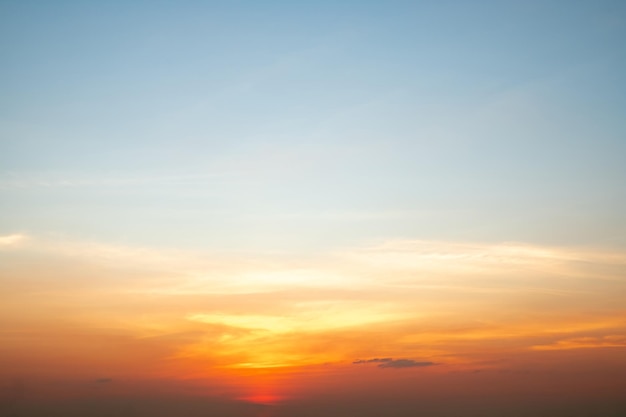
(329,208)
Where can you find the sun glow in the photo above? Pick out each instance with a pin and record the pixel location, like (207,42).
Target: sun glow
(262,397)
(306,317)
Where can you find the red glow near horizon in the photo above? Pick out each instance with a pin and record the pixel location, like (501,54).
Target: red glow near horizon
(263,398)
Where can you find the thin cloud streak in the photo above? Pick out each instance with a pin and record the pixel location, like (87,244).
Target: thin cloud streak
(68,180)
(394,363)
(13,240)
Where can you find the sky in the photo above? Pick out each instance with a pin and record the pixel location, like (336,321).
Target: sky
(329,208)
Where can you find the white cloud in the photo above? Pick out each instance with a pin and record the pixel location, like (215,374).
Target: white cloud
(12,240)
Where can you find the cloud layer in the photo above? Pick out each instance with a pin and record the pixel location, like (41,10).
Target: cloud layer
(197,314)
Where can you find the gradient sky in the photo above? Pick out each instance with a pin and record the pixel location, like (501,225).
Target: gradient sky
(337,208)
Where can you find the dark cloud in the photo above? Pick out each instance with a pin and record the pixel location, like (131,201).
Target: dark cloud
(103,380)
(358,361)
(394,363)
(404,363)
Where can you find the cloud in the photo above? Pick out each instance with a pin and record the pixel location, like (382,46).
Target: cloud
(104,380)
(394,363)
(610,341)
(11,240)
(300,311)
(468,257)
(123,179)
(359,361)
(404,363)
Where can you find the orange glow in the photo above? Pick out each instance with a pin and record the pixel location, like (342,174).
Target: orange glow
(279,343)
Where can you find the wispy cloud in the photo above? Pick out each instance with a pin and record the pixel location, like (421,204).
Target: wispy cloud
(12,240)
(443,301)
(128,179)
(609,341)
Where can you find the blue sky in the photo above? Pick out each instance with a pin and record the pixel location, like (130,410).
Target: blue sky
(280,126)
